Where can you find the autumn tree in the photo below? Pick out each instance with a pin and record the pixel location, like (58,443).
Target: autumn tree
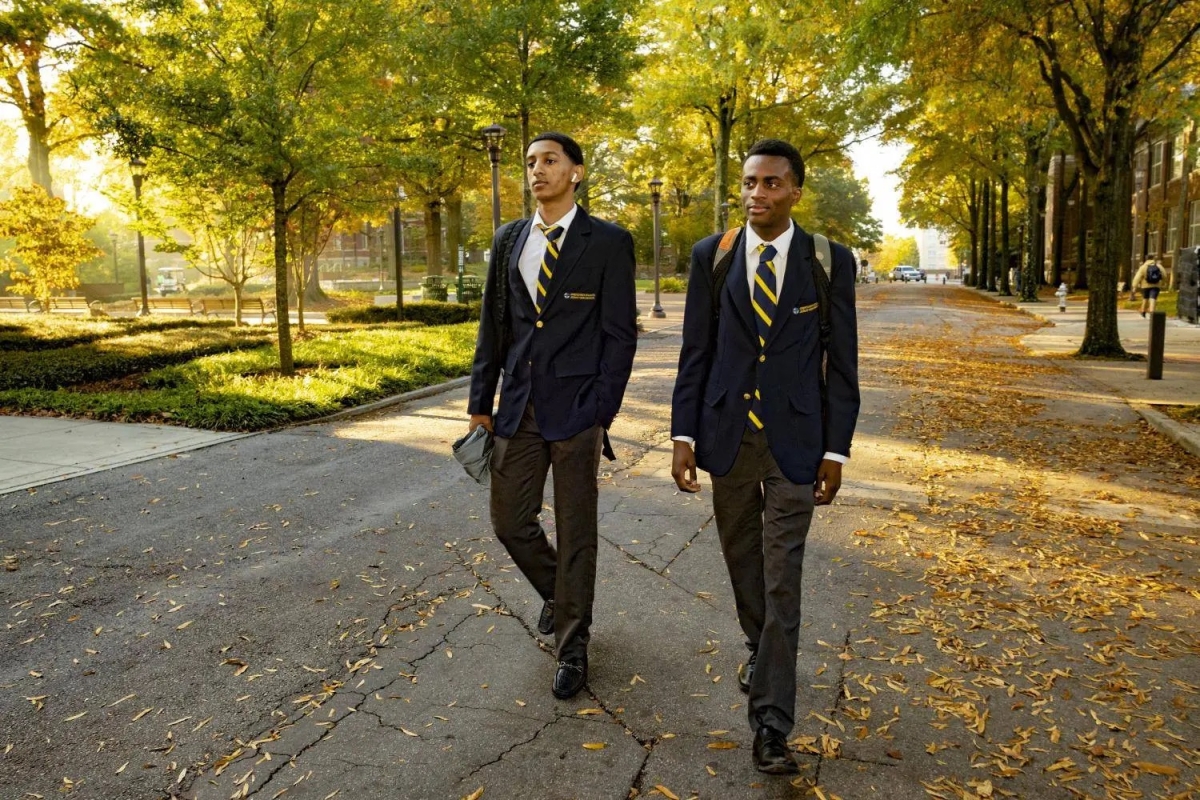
(49,244)
(271,94)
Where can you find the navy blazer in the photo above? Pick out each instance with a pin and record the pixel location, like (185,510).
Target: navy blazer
(573,360)
(714,387)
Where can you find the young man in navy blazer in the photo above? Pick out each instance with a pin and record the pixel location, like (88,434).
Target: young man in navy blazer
(748,398)
(562,352)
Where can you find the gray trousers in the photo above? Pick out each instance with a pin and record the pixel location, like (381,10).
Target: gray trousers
(568,576)
(762,521)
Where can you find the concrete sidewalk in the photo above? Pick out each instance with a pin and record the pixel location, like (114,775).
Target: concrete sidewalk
(1180,382)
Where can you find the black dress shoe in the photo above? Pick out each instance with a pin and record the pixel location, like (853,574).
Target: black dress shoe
(570,677)
(746,673)
(546,618)
(771,753)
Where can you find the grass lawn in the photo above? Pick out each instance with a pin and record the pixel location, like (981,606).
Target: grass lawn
(212,375)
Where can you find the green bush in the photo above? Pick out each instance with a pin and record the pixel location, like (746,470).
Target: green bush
(50,332)
(672,285)
(423,311)
(243,390)
(116,357)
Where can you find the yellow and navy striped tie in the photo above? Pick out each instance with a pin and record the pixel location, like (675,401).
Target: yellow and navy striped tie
(549,259)
(764,300)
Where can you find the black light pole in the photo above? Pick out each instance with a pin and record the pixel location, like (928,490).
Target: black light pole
(398,243)
(655,196)
(138,168)
(493,136)
(112,237)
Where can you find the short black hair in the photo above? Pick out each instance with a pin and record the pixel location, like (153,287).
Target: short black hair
(569,145)
(778,147)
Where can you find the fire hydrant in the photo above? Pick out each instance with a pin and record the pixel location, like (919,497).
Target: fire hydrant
(1061,294)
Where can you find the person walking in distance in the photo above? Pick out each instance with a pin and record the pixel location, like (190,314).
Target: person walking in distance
(558,334)
(751,407)
(1146,280)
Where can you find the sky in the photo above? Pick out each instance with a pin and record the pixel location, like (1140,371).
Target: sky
(875,161)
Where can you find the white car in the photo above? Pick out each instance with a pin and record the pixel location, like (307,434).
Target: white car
(906,274)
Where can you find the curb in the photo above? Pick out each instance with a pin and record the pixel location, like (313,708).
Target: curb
(1183,436)
(387,402)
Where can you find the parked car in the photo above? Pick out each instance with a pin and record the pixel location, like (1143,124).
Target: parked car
(906,273)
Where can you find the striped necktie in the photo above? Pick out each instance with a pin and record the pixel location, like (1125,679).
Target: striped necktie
(764,300)
(549,259)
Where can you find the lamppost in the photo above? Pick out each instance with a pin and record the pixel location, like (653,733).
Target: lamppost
(655,196)
(138,168)
(398,242)
(493,136)
(112,237)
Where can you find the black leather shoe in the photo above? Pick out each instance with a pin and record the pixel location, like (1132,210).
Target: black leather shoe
(746,673)
(546,618)
(570,677)
(771,753)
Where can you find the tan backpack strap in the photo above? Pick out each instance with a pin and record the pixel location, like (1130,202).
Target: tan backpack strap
(726,243)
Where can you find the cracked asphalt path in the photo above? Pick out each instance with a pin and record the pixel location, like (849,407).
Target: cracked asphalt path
(323,611)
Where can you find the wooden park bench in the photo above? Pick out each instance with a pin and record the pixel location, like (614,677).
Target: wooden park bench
(175,305)
(18,304)
(227,305)
(72,305)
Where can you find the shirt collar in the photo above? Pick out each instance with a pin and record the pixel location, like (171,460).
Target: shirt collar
(564,223)
(782,242)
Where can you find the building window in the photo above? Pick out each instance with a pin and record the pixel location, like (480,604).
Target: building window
(1152,242)
(1139,169)
(1156,163)
(1194,226)
(1173,231)
(1178,148)
(1137,244)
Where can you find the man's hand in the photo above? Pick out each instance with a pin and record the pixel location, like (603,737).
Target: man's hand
(683,468)
(481,419)
(829,480)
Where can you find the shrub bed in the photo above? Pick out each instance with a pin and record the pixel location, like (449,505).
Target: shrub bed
(52,332)
(118,356)
(427,312)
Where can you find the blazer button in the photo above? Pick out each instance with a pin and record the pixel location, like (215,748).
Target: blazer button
(746,396)
(762,357)
(539,323)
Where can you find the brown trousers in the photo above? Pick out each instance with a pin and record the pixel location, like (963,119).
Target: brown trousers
(566,576)
(762,522)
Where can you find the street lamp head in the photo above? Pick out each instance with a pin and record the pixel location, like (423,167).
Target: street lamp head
(493,135)
(137,167)
(656,188)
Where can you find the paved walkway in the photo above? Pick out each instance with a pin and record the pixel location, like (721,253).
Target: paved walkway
(1003,603)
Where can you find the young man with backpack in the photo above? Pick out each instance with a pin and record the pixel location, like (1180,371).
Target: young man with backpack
(766,400)
(558,334)
(1146,279)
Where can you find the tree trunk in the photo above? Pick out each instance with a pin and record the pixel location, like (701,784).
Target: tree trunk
(454,228)
(1060,220)
(984,231)
(993,240)
(1031,268)
(1081,270)
(526,192)
(1005,243)
(287,367)
(433,237)
(33,114)
(313,292)
(973,209)
(726,108)
(1113,220)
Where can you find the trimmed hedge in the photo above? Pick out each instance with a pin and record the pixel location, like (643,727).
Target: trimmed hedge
(54,332)
(427,312)
(119,356)
(672,285)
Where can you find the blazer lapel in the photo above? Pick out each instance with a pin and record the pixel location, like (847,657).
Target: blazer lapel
(515,281)
(799,276)
(737,285)
(578,236)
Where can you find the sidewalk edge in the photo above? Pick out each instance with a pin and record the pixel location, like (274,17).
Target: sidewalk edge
(1168,427)
(387,402)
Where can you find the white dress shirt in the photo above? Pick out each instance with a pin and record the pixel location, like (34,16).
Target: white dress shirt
(530,262)
(782,244)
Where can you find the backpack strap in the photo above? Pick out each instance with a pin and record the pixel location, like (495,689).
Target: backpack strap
(498,283)
(722,260)
(823,278)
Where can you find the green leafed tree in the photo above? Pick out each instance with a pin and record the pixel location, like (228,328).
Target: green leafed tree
(269,94)
(49,244)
